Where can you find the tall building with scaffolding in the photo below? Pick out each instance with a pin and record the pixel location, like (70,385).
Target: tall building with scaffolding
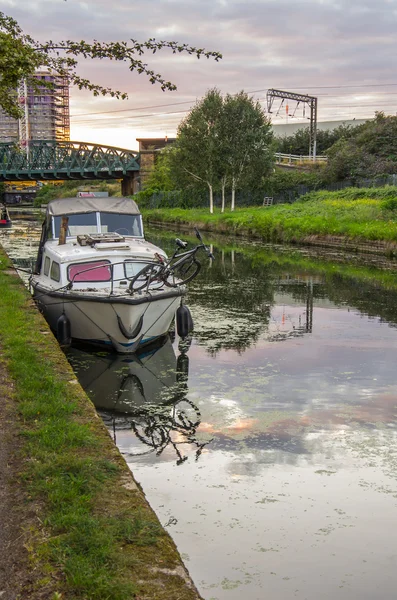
(45,115)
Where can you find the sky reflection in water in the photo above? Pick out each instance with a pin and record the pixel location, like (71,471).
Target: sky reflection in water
(273,441)
(294,491)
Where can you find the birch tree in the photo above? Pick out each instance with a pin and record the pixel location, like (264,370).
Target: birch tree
(197,150)
(223,143)
(247,151)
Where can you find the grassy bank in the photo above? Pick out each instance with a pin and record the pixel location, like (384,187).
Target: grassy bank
(356,215)
(93,535)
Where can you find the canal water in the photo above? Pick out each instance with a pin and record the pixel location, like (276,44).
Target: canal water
(267,444)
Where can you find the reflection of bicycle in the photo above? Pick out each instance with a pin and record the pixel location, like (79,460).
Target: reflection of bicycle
(156,429)
(181,268)
(164,420)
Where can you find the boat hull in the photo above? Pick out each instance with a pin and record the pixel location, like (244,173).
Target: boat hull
(123,324)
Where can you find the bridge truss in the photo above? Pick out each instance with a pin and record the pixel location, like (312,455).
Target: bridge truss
(66,160)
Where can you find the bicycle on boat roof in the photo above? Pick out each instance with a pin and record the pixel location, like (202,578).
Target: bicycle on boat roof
(179,269)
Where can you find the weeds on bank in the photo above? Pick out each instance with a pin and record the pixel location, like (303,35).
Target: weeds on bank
(83,540)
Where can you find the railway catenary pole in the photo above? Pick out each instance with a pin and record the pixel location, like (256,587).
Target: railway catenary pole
(300,98)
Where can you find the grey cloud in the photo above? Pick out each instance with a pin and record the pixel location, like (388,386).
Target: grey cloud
(265,43)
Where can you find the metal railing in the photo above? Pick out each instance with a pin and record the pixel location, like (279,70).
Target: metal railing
(294,159)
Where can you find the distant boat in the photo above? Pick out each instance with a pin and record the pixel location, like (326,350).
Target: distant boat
(5,220)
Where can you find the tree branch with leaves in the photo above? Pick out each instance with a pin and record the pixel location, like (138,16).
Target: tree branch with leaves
(21,55)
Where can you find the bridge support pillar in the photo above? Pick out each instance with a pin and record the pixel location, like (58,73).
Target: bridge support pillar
(129,185)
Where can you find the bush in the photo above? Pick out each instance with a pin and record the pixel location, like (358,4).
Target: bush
(369,152)
(282,181)
(387,193)
(389,204)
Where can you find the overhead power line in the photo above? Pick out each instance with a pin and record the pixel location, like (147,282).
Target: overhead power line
(374,105)
(332,87)
(248,92)
(105,112)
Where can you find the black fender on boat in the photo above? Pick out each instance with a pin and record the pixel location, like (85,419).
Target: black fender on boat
(64,335)
(184,321)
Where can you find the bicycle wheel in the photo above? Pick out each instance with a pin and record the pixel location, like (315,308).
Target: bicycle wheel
(183,273)
(145,277)
(186,415)
(151,433)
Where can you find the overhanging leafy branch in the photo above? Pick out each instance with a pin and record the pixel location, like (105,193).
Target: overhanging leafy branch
(21,55)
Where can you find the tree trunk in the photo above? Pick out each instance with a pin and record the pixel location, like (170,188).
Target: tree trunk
(211,198)
(223,196)
(233,194)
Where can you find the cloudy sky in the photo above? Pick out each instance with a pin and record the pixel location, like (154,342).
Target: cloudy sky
(342,51)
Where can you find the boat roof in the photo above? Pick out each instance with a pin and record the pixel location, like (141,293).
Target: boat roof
(78,206)
(72,252)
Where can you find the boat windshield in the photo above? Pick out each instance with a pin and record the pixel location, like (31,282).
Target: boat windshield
(121,223)
(77,224)
(124,224)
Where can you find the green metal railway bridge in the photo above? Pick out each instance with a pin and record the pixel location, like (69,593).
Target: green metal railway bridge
(51,160)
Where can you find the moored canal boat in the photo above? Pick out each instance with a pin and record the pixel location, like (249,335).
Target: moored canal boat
(90,253)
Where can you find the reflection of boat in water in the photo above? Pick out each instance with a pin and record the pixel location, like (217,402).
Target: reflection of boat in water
(144,392)
(120,383)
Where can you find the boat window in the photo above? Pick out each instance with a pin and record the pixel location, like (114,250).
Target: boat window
(46,265)
(131,268)
(55,271)
(121,223)
(77,224)
(99,270)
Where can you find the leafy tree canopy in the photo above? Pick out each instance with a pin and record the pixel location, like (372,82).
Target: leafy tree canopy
(298,143)
(360,152)
(248,142)
(160,179)
(369,152)
(21,55)
(196,157)
(223,142)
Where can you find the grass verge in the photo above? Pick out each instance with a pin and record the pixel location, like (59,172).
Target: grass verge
(95,536)
(364,216)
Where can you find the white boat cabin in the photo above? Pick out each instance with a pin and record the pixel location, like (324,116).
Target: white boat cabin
(93,243)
